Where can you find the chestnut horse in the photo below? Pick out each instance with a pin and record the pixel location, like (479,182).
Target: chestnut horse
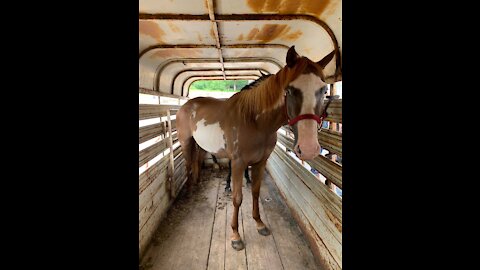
(244,127)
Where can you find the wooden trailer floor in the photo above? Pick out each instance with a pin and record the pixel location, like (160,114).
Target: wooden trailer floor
(196,231)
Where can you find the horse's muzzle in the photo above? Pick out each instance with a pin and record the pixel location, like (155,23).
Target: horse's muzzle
(307,153)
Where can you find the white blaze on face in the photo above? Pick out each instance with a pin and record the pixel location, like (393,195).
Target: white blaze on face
(209,137)
(308,84)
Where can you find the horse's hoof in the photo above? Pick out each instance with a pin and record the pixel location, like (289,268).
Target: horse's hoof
(238,244)
(264,231)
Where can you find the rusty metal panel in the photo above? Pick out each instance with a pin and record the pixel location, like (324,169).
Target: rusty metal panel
(329,11)
(175,32)
(317,8)
(173,6)
(226,29)
(291,32)
(152,59)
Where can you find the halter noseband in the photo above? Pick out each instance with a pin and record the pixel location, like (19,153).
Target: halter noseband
(315,117)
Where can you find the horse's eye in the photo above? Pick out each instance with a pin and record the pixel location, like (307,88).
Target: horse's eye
(289,91)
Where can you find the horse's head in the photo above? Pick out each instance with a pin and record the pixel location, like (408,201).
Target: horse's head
(305,95)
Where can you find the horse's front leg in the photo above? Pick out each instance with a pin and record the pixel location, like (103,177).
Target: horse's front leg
(257,177)
(237,176)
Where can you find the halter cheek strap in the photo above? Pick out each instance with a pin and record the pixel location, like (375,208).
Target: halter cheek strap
(315,117)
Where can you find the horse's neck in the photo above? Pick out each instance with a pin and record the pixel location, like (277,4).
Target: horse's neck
(269,119)
(272,120)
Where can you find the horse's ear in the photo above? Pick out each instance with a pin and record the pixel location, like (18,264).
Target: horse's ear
(292,56)
(323,63)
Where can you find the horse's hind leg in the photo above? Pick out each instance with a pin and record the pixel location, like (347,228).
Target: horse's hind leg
(258,171)
(247,176)
(190,153)
(227,187)
(200,156)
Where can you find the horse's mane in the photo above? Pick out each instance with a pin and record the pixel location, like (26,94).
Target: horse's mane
(266,93)
(256,82)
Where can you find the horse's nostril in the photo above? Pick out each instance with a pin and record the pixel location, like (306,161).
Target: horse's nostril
(298,150)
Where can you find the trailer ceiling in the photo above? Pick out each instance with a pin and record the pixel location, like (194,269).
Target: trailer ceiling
(181,41)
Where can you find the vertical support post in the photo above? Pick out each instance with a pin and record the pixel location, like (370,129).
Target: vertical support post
(332,126)
(171,168)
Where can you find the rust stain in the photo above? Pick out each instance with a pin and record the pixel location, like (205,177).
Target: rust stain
(293,36)
(270,32)
(174,28)
(252,33)
(315,7)
(331,8)
(151,29)
(334,220)
(176,52)
(212,33)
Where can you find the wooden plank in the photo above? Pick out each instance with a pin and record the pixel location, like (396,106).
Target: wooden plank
(179,182)
(177,151)
(157,93)
(288,142)
(322,253)
(315,211)
(178,160)
(331,140)
(216,257)
(148,230)
(151,174)
(328,168)
(179,169)
(151,131)
(152,151)
(258,247)
(187,244)
(155,199)
(173,111)
(328,199)
(334,111)
(152,110)
(146,196)
(234,260)
(291,245)
(330,216)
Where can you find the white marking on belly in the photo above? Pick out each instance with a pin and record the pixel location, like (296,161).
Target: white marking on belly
(209,137)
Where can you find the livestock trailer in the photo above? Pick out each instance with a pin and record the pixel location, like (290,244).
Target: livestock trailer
(181,42)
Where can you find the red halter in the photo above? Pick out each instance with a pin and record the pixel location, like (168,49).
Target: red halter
(315,117)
